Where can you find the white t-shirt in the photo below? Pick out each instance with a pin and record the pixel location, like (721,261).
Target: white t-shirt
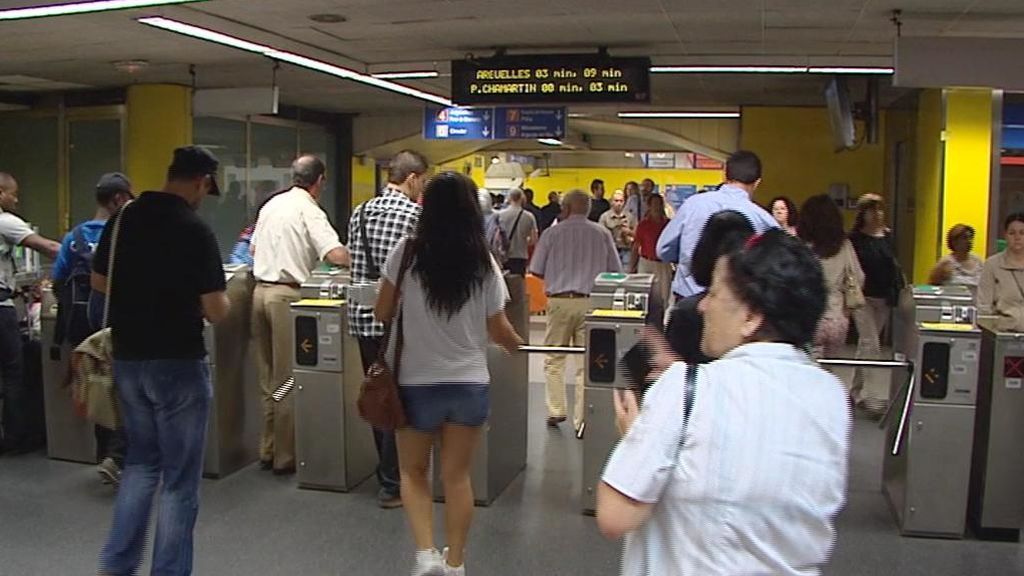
(438,349)
(13,231)
(760,478)
(292,235)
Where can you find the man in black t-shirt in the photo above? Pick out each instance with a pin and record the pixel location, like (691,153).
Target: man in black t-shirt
(598,205)
(166,279)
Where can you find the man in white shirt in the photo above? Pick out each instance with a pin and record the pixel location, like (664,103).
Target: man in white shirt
(292,235)
(521,228)
(16,430)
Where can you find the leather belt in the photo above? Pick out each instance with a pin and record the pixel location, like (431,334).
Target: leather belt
(569,295)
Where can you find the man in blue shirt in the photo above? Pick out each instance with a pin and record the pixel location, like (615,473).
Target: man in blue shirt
(677,241)
(80,310)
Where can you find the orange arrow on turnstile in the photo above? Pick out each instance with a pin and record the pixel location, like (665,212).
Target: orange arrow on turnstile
(601,361)
(306,346)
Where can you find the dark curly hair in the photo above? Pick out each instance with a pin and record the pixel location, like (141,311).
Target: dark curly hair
(778,276)
(821,226)
(450,256)
(793,215)
(724,232)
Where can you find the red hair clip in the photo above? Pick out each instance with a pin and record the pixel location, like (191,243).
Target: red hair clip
(753,241)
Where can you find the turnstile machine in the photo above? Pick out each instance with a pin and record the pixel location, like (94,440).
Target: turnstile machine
(69,436)
(333,446)
(232,436)
(501,453)
(926,471)
(996,508)
(620,304)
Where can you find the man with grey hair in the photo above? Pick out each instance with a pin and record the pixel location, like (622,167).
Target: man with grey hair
(292,235)
(520,228)
(569,258)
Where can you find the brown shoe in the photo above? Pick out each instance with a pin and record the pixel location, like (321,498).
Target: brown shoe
(286,471)
(389,502)
(554,421)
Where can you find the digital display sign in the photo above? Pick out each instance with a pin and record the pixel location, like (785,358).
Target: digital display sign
(547,79)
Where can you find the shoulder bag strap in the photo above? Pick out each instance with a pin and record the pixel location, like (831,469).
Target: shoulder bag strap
(110,262)
(689,395)
(396,304)
(374,270)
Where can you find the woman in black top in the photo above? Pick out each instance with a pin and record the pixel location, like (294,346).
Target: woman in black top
(724,232)
(872,241)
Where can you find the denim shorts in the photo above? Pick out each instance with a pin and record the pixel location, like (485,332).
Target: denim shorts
(429,406)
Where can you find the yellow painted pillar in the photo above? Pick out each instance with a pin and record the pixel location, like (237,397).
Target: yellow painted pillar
(968,165)
(159,119)
(363,179)
(954,171)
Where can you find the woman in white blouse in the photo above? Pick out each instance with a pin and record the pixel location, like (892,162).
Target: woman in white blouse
(749,479)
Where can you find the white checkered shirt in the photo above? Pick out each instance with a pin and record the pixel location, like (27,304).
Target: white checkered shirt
(390,217)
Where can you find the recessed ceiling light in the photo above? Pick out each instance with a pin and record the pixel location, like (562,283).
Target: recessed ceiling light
(709,114)
(328,18)
(83,8)
(550,141)
(130,66)
(289,57)
(406,75)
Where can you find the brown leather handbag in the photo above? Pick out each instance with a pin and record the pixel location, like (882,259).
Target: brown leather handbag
(379,402)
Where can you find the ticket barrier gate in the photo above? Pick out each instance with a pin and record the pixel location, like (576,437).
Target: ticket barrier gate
(232,435)
(620,304)
(69,436)
(501,453)
(996,505)
(334,447)
(929,438)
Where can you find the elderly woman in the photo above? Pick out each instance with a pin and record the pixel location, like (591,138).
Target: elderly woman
(959,267)
(738,466)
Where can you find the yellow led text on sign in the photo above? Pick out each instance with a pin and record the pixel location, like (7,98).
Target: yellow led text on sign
(549,80)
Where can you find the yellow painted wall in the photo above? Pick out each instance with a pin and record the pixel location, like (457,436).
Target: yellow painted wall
(159,119)
(797,151)
(968,163)
(363,180)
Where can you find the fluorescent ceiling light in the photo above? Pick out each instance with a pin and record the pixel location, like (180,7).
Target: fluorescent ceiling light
(290,57)
(679,114)
(851,70)
(405,75)
(729,69)
(83,8)
(550,141)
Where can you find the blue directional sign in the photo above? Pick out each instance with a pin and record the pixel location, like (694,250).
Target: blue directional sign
(458,123)
(529,123)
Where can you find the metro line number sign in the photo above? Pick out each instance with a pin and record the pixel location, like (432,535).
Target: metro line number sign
(567,78)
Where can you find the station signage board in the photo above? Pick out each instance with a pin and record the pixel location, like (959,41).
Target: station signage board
(501,123)
(551,79)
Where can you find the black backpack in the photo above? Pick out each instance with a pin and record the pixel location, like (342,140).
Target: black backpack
(73,297)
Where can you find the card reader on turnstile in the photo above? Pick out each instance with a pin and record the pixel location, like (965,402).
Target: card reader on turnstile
(620,307)
(333,445)
(930,430)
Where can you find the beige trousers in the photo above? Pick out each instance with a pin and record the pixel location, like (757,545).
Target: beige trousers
(566,318)
(871,385)
(272,335)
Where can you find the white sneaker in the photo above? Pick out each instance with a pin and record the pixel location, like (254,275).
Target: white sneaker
(451,570)
(428,563)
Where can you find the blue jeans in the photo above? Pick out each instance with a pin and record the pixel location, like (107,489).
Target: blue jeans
(165,405)
(430,406)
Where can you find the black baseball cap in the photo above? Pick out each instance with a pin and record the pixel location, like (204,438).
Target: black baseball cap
(192,161)
(114,182)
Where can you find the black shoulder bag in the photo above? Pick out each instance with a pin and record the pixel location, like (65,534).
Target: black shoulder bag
(373,271)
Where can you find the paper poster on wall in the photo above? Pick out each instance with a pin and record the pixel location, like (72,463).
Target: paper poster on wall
(676,194)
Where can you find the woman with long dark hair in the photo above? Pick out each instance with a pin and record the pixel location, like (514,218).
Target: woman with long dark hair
(785,213)
(452,298)
(821,227)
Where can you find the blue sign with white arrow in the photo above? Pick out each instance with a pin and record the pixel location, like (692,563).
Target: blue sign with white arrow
(458,123)
(529,123)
